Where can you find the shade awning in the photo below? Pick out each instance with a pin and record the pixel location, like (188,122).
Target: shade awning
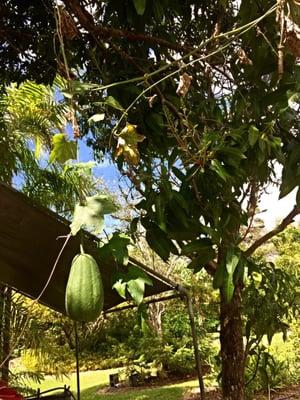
(29,246)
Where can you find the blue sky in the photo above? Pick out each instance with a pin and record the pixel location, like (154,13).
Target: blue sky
(105,170)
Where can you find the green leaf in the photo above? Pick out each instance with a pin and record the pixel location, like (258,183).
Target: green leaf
(294,100)
(241,271)
(62,149)
(81,87)
(120,287)
(298,198)
(253,135)
(220,170)
(197,246)
(91,214)
(140,6)
(143,314)
(134,281)
(112,102)
(137,273)
(204,255)
(159,241)
(38,147)
(232,260)
(116,247)
(196,265)
(228,286)
(136,288)
(219,276)
(96,118)
(290,173)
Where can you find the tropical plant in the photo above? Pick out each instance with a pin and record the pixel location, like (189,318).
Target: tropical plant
(35,148)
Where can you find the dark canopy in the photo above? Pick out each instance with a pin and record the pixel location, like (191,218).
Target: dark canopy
(29,246)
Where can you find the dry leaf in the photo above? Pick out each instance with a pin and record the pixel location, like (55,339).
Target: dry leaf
(151,100)
(243,58)
(68,26)
(293,37)
(184,84)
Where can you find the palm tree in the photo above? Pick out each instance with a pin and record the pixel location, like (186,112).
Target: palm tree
(30,117)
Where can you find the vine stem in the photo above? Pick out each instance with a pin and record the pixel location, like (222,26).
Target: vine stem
(240,31)
(13,346)
(191,53)
(226,35)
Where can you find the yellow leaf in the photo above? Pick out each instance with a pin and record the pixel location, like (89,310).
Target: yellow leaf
(127,145)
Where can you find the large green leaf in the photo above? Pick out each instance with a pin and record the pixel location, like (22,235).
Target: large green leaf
(120,287)
(291,171)
(133,282)
(253,135)
(112,102)
(241,271)
(228,286)
(136,288)
(62,149)
(159,241)
(198,246)
(220,170)
(232,260)
(219,275)
(117,247)
(91,213)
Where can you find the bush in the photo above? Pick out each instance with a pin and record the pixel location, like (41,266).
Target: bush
(276,365)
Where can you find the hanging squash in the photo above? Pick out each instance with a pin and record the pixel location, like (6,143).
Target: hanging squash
(84,295)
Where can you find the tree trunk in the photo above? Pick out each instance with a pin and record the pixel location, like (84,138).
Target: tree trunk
(232,349)
(155,312)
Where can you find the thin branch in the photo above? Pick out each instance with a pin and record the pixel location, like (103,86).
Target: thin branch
(87,22)
(284,223)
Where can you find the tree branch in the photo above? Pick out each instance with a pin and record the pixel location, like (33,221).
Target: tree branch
(284,223)
(86,20)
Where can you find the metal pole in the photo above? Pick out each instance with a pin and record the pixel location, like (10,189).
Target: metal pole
(190,309)
(146,302)
(77,361)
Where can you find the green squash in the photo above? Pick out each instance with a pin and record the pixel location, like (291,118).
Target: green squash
(84,295)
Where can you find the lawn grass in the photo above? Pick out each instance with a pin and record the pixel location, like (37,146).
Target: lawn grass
(154,393)
(87,380)
(93,381)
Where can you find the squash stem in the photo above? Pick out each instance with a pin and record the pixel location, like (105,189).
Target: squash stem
(81,249)
(81,242)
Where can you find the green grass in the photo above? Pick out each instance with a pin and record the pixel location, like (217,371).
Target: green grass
(87,380)
(156,393)
(93,381)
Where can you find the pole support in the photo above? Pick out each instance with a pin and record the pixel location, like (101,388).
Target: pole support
(77,360)
(190,309)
